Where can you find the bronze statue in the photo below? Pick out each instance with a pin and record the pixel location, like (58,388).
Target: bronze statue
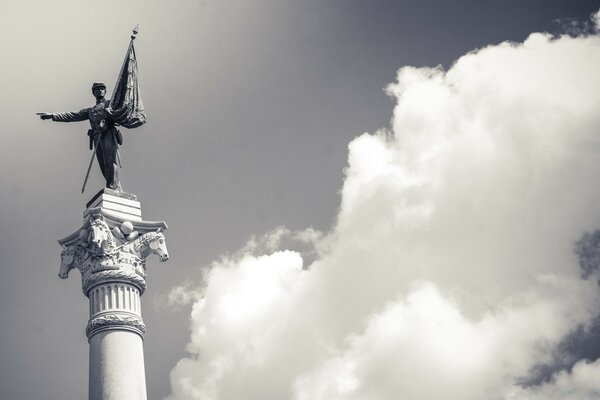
(104,135)
(125,109)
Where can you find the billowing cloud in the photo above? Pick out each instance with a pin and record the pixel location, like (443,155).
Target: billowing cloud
(450,272)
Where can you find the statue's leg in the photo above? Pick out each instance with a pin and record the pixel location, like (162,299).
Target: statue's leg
(110,162)
(100,158)
(116,182)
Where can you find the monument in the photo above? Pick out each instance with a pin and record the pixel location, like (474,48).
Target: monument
(111,246)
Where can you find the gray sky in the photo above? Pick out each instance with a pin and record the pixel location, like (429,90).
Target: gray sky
(251,107)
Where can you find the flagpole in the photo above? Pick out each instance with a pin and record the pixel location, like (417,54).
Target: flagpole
(133,37)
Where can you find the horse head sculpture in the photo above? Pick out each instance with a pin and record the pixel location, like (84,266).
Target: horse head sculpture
(71,257)
(152,242)
(67,256)
(102,238)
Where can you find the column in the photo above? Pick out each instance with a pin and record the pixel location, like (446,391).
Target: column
(110,251)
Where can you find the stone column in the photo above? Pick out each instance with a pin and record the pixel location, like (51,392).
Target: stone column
(110,250)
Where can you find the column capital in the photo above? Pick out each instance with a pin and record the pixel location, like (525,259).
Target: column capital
(112,244)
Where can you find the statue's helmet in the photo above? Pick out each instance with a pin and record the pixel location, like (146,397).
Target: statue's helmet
(98,85)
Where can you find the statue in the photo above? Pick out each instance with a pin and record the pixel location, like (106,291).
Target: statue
(104,135)
(125,108)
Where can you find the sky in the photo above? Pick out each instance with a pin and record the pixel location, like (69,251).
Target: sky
(365,200)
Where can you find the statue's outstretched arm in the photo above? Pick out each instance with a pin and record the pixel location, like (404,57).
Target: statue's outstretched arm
(71,116)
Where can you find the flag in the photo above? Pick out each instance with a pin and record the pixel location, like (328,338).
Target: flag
(126,103)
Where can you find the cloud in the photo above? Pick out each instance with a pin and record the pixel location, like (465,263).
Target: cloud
(450,272)
(579,383)
(423,347)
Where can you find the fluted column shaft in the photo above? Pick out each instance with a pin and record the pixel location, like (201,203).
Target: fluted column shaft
(115,333)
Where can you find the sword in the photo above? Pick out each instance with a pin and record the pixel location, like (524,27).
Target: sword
(87,175)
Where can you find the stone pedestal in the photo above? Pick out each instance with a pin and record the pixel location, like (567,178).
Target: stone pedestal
(110,250)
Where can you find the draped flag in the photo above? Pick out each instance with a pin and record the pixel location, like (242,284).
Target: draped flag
(126,103)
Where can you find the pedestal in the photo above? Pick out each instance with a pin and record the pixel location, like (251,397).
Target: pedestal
(110,251)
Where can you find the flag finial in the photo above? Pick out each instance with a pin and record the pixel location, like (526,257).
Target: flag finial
(135,31)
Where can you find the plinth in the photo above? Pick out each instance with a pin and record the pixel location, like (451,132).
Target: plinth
(110,250)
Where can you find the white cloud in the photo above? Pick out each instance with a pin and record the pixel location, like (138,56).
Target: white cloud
(182,295)
(423,347)
(450,272)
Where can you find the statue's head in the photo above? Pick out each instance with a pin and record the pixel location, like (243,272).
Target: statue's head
(99,89)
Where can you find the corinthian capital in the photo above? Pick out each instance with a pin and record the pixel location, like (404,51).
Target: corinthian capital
(109,247)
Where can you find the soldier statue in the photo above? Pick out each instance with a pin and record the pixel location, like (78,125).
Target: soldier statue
(125,109)
(104,135)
